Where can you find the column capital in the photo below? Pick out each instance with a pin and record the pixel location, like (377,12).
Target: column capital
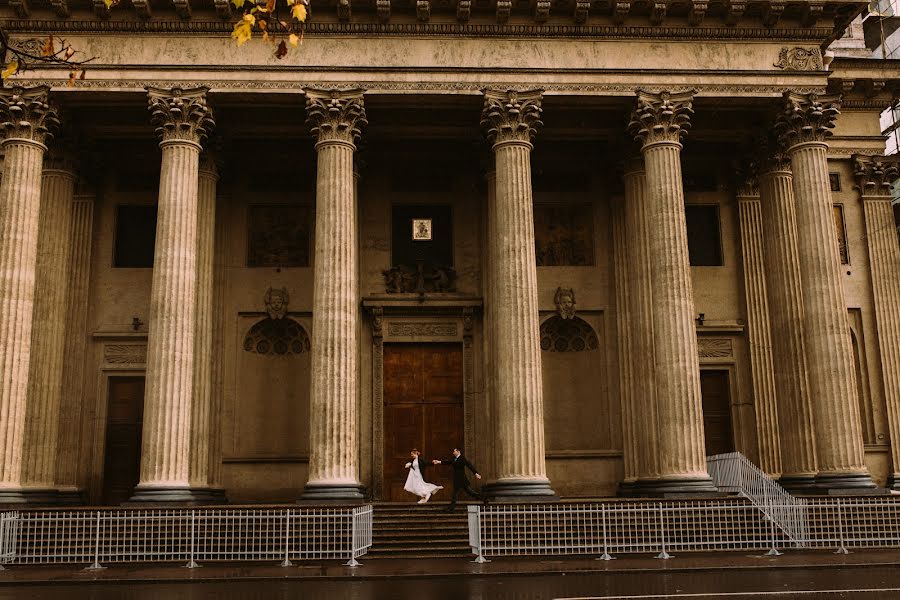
(747,173)
(661,116)
(336,116)
(874,175)
(61,156)
(180,115)
(806,118)
(26,113)
(511,116)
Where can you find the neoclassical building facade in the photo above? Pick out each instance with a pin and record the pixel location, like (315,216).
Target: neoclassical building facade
(589,243)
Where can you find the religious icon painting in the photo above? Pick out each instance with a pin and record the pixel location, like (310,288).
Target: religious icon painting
(421,230)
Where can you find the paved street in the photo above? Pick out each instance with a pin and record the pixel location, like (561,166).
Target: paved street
(849,581)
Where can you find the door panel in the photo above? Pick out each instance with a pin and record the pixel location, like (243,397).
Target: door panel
(124,422)
(423,408)
(714,389)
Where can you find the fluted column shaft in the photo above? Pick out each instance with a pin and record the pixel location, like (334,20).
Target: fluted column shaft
(201,427)
(637,231)
(48,334)
(336,119)
(182,119)
(875,178)
(489,294)
(832,375)
(27,122)
(68,469)
(785,296)
(218,344)
(759,335)
(510,120)
(624,330)
(659,122)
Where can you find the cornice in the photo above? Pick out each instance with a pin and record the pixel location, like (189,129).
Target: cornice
(474,87)
(431,29)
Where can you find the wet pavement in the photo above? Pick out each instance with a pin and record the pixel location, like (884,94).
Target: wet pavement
(865,575)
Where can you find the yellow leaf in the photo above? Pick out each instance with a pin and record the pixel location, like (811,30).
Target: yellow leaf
(298,11)
(11,69)
(294,40)
(270,5)
(238,4)
(108,3)
(290,2)
(242,31)
(47,48)
(250,19)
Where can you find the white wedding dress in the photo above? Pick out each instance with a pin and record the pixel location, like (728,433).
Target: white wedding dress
(415,484)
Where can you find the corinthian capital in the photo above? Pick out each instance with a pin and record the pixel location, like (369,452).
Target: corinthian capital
(180,114)
(661,117)
(336,116)
(25,113)
(806,118)
(511,116)
(874,174)
(772,156)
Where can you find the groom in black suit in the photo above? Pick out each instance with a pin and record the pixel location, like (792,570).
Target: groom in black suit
(460,481)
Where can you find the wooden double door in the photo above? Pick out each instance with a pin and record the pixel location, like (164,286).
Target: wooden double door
(423,409)
(124,423)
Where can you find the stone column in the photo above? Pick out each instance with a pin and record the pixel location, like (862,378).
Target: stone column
(874,177)
(624,333)
(49,329)
(28,122)
(205,422)
(488,334)
(182,120)
(637,232)
(658,123)
(220,268)
(510,120)
(803,126)
(785,296)
(68,465)
(759,336)
(336,119)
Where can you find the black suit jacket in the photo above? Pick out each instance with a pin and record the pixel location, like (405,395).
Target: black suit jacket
(459,465)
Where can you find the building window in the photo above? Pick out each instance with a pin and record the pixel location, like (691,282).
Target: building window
(135,236)
(704,235)
(564,235)
(840,230)
(278,235)
(834,180)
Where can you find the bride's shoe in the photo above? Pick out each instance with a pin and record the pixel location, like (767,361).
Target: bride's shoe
(423,500)
(426,498)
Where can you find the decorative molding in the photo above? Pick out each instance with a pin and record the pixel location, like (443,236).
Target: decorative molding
(383,10)
(344,10)
(511,116)
(431,329)
(715,347)
(183,8)
(698,11)
(100,9)
(335,115)
(463,10)
(541,10)
(25,113)
(223,9)
(22,8)
(661,116)
(142,7)
(504,8)
(180,114)
(125,354)
(423,10)
(441,29)
(582,11)
(60,7)
(799,59)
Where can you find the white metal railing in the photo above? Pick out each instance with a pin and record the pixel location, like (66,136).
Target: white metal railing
(98,537)
(733,472)
(621,527)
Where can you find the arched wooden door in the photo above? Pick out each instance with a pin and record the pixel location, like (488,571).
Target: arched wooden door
(423,408)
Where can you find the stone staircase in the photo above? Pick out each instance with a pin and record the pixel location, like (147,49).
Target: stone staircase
(410,530)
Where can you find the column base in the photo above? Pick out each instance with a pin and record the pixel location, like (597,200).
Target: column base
(521,490)
(893,482)
(71,496)
(801,484)
(177,495)
(845,483)
(341,492)
(676,486)
(30,496)
(626,489)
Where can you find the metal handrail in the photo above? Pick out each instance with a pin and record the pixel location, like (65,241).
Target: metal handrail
(733,472)
(189,535)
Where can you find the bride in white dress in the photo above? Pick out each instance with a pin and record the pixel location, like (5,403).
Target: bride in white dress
(415,483)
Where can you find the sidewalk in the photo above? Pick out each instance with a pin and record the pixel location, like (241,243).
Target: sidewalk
(376,569)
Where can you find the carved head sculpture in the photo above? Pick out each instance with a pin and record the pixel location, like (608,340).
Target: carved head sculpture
(565,302)
(276,302)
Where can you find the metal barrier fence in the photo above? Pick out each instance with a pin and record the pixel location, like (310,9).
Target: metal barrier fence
(604,529)
(733,472)
(98,537)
